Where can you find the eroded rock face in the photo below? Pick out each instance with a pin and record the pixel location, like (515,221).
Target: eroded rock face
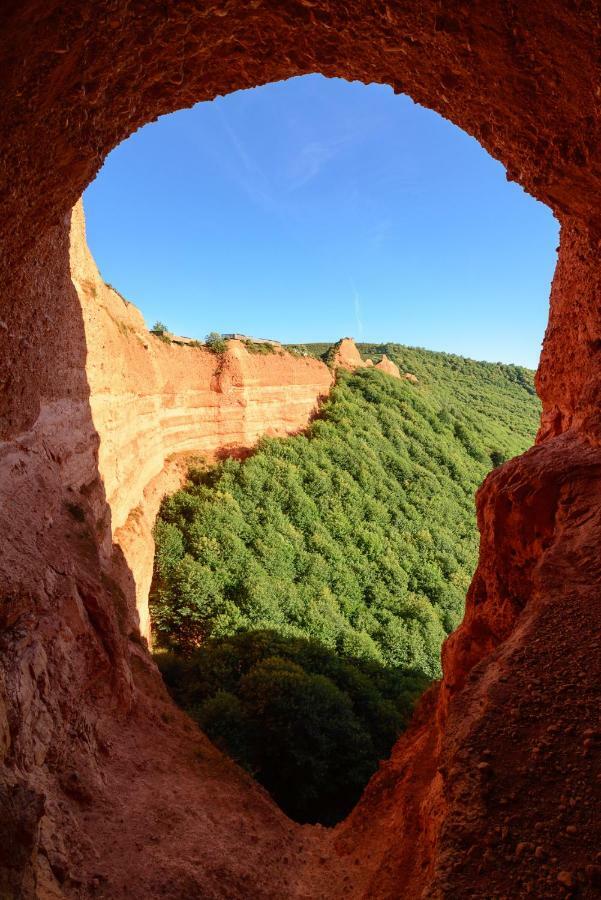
(105,789)
(346,356)
(154,405)
(387,365)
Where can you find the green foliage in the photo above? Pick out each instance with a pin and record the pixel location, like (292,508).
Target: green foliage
(297,350)
(360,533)
(497,458)
(259,347)
(216,342)
(329,354)
(318,351)
(309,725)
(159,330)
(357,537)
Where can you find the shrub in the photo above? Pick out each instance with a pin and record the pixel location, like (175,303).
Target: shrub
(260,347)
(215,342)
(497,458)
(159,329)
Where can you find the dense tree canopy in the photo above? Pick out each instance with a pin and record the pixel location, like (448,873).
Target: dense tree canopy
(308,724)
(358,536)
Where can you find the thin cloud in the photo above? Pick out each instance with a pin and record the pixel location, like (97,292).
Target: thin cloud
(248,174)
(312,158)
(357,310)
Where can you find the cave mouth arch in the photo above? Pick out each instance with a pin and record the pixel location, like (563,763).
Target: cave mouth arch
(109,449)
(145,158)
(512,84)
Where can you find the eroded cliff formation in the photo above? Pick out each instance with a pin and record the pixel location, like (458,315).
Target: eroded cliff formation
(346,356)
(105,789)
(155,405)
(387,365)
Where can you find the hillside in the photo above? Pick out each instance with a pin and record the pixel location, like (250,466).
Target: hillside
(417,452)
(358,536)
(487,387)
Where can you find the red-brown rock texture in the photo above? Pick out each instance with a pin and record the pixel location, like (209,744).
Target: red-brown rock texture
(107,791)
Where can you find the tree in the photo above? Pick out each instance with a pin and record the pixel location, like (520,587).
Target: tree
(159,328)
(497,458)
(310,724)
(314,751)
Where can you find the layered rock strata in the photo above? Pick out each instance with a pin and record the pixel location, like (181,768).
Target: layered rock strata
(155,405)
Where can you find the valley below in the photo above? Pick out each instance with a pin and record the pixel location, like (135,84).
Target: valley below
(302,595)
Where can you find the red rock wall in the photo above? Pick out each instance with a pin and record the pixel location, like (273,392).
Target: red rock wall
(104,789)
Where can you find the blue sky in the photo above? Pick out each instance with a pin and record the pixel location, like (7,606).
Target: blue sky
(315,208)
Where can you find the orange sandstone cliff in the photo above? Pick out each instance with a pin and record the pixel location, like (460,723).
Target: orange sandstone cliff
(106,790)
(346,356)
(154,404)
(387,365)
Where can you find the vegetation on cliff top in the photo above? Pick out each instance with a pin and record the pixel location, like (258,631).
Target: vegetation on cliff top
(356,539)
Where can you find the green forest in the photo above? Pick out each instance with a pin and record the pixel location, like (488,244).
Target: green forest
(301,596)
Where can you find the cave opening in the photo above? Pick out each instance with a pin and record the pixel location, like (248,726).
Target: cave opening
(298,648)
(80,78)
